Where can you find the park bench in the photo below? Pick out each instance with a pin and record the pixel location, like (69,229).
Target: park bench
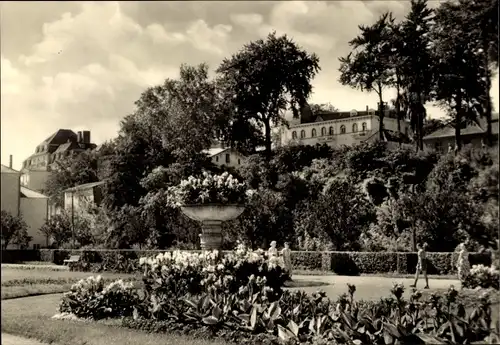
(72,259)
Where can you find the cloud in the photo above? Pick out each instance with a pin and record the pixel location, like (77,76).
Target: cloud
(82,65)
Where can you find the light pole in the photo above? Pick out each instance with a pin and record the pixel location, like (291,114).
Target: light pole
(73,219)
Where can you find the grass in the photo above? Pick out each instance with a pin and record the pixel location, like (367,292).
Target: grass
(18,283)
(30,317)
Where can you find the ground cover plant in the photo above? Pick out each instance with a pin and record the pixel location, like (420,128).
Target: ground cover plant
(31,317)
(483,277)
(249,308)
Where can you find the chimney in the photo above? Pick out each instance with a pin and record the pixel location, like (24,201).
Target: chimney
(80,137)
(366,108)
(10,161)
(86,137)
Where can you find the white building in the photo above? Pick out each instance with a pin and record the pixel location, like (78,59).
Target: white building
(21,201)
(225,156)
(340,128)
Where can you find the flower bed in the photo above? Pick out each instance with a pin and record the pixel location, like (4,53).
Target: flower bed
(208,189)
(314,319)
(482,277)
(239,296)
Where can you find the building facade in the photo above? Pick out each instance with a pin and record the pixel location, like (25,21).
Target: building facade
(30,205)
(63,143)
(225,156)
(473,134)
(81,197)
(10,185)
(340,128)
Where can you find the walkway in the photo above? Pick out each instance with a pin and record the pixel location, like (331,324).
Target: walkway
(370,287)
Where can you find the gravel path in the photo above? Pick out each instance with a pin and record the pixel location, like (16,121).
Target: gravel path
(371,288)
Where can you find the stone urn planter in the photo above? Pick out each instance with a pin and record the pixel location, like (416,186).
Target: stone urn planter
(211,217)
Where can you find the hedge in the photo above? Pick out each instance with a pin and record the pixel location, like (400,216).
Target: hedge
(344,263)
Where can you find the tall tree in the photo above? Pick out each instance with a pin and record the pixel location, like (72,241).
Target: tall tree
(481,17)
(415,60)
(268,77)
(458,72)
(172,123)
(368,67)
(14,230)
(397,45)
(71,171)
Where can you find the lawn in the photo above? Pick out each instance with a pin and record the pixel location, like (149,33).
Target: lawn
(23,282)
(30,317)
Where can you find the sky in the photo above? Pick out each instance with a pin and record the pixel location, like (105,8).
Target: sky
(82,65)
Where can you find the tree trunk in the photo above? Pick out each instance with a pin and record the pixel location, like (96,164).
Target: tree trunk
(381,114)
(458,122)
(267,126)
(487,104)
(420,124)
(398,109)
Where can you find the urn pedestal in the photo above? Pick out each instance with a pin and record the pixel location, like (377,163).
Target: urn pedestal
(211,217)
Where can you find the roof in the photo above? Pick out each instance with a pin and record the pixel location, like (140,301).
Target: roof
(478,128)
(60,137)
(29,193)
(7,170)
(215,151)
(85,186)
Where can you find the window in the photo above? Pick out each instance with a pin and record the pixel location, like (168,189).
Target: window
(302,134)
(330,131)
(216,158)
(363,126)
(36,246)
(294,135)
(342,129)
(239,161)
(406,131)
(313,132)
(355,128)
(228,158)
(323,131)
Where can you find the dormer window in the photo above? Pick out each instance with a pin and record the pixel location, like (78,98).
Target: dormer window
(353,112)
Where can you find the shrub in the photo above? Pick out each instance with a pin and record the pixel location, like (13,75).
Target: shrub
(343,263)
(483,277)
(178,273)
(90,298)
(10,256)
(14,230)
(215,189)
(307,260)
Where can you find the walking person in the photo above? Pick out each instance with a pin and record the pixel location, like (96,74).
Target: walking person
(272,251)
(287,259)
(421,265)
(463,265)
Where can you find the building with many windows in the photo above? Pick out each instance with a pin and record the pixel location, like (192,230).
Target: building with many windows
(341,128)
(36,168)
